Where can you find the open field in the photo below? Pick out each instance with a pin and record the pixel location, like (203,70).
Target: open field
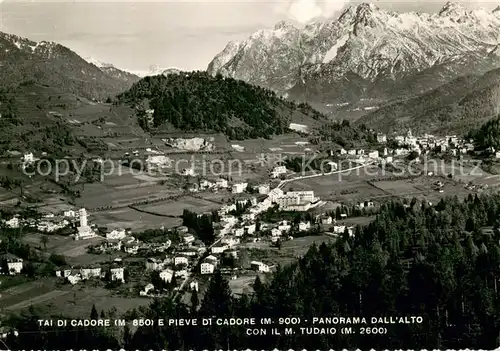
(75,251)
(127,193)
(79,301)
(72,301)
(337,189)
(175,208)
(423,187)
(20,296)
(290,250)
(243,284)
(462,171)
(129,218)
(287,144)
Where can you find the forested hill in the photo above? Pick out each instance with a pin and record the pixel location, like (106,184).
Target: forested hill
(487,135)
(197,101)
(440,263)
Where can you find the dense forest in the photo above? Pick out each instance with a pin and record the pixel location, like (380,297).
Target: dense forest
(487,135)
(440,263)
(344,134)
(196,101)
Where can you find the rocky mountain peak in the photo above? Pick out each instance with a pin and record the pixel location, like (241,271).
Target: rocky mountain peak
(452,9)
(283,25)
(364,45)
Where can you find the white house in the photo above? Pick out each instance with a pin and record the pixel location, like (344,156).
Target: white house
(63,273)
(193,285)
(14,222)
(373,154)
(303,226)
(73,279)
(275,194)
(28,158)
(219,248)
(116,234)
(181,260)
(189,253)
(239,232)
(188,238)
(284,226)
(70,213)
(147,289)
(166,275)
(249,216)
(381,138)
(260,266)
(339,229)
(264,189)
(230,241)
(304,196)
(117,274)
(14,265)
(285,201)
(208,265)
(153,264)
(90,272)
(131,248)
(277,171)
(221,183)
(332,166)
(326,220)
(239,188)
(182,229)
(275,232)
(250,229)
(302,128)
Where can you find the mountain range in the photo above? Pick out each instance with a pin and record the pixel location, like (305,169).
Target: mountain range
(367,52)
(52,64)
(458,106)
(155,70)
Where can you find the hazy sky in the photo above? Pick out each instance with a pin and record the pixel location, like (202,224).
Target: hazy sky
(184,34)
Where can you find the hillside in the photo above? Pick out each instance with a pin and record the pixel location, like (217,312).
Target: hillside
(367,52)
(52,64)
(421,276)
(455,107)
(197,101)
(39,118)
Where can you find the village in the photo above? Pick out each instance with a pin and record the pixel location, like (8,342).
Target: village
(266,215)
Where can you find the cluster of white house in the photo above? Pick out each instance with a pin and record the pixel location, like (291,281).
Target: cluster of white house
(74,275)
(410,143)
(48,223)
(14,266)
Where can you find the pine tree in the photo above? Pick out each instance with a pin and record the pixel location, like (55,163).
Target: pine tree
(218,297)
(195,301)
(93,313)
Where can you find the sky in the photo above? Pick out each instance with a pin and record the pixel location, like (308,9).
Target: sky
(186,34)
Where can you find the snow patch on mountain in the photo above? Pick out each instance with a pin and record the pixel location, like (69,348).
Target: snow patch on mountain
(155,70)
(364,43)
(98,63)
(332,53)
